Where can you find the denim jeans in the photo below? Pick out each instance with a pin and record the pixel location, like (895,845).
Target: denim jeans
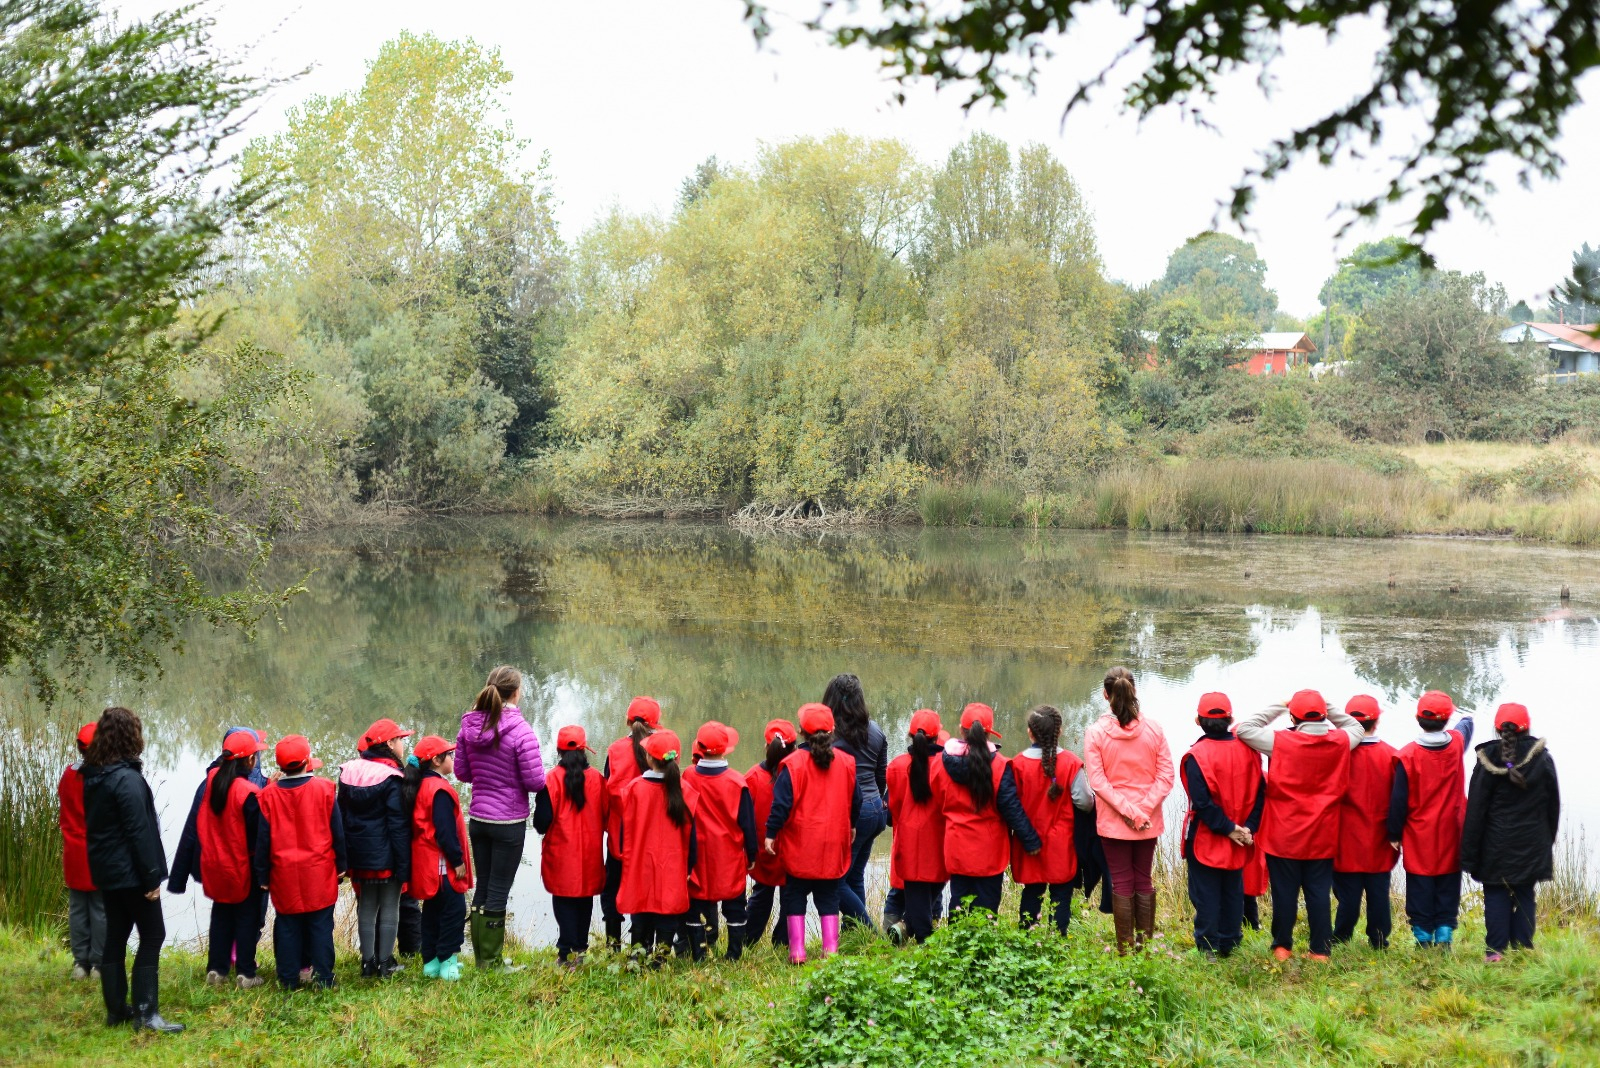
(853,890)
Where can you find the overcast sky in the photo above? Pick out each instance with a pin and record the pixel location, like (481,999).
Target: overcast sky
(628,95)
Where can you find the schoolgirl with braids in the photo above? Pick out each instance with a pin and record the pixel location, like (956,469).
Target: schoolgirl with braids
(571,813)
(1050,783)
(1508,839)
(656,840)
(767,874)
(982,810)
(916,812)
(625,761)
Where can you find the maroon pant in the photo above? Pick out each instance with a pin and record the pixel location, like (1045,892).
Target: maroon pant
(1129,865)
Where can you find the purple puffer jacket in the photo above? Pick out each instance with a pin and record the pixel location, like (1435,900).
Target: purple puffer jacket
(502,777)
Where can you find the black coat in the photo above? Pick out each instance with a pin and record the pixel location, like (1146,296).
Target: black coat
(122,830)
(377,827)
(1510,833)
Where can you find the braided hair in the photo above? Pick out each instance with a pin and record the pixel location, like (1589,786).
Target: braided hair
(1044,723)
(1510,734)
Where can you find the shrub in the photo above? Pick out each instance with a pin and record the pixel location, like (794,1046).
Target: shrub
(1483,485)
(1551,475)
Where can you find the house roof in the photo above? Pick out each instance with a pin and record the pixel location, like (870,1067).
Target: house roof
(1567,337)
(1283,340)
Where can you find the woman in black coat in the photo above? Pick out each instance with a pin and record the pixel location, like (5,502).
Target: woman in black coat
(1508,841)
(127,863)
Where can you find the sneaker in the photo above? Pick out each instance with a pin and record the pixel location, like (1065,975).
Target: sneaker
(1492,957)
(897,933)
(1444,936)
(215,979)
(369,969)
(389,967)
(80,972)
(450,970)
(94,973)
(1279,953)
(306,975)
(1317,956)
(249,982)
(430,970)
(1423,935)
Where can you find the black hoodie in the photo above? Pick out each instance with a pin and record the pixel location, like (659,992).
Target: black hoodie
(122,830)
(1510,832)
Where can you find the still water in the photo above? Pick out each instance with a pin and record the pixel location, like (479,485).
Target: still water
(406,621)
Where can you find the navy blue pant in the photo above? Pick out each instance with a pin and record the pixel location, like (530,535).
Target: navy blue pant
(1217,895)
(1433,901)
(655,932)
(235,932)
(443,916)
(760,911)
(298,937)
(573,916)
(608,894)
(824,894)
(853,893)
(1508,915)
(921,904)
(1290,880)
(983,889)
(1349,887)
(1060,904)
(408,939)
(701,920)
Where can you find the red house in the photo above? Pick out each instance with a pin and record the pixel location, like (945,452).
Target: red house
(1275,352)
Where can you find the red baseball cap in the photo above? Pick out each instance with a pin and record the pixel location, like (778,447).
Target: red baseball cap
(715,738)
(1215,706)
(1308,704)
(925,720)
(384,730)
(571,737)
(242,744)
(1363,708)
(944,736)
(979,713)
(86,733)
(433,746)
(663,745)
(1512,713)
(780,728)
(645,708)
(293,750)
(1435,704)
(815,718)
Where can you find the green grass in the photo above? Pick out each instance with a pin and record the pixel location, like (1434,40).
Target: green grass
(32,895)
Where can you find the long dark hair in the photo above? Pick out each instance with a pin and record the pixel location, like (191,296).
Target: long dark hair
(849,706)
(777,749)
(980,779)
(672,782)
(381,751)
(574,763)
(1510,733)
(1120,692)
(921,749)
(821,747)
(501,686)
(230,769)
(119,735)
(1044,723)
(638,731)
(411,785)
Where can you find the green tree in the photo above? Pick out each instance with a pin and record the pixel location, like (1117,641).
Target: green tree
(1223,276)
(1577,299)
(1375,270)
(1195,346)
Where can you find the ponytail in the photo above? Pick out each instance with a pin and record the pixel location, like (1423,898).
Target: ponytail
(1509,734)
(1120,692)
(574,764)
(980,782)
(411,785)
(1044,723)
(921,749)
(227,771)
(777,749)
(638,731)
(672,782)
(501,686)
(821,748)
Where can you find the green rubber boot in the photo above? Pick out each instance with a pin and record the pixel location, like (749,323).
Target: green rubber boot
(478,922)
(494,943)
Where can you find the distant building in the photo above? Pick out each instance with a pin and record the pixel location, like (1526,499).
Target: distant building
(1574,349)
(1275,352)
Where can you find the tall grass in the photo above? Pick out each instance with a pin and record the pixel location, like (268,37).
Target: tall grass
(32,753)
(982,504)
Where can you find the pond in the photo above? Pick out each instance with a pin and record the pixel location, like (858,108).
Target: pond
(406,621)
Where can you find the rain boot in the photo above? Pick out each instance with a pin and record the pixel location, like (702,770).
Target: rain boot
(830,935)
(147,1003)
(735,943)
(114,989)
(614,935)
(1444,937)
(696,935)
(1122,920)
(494,942)
(797,939)
(1144,918)
(450,969)
(477,926)
(430,970)
(1424,935)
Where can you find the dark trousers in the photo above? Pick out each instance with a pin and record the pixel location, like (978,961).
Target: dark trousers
(573,916)
(702,921)
(608,895)
(1252,913)
(984,889)
(235,931)
(1290,879)
(922,904)
(654,932)
(1349,887)
(1508,915)
(1217,895)
(127,910)
(824,894)
(86,924)
(759,911)
(1433,901)
(303,936)
(408,939)
(1129,864)
(1060,904)
(894,906)
(443,916)
(496,853)
(853,893)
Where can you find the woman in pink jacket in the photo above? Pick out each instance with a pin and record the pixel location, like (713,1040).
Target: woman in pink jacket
(1130,770)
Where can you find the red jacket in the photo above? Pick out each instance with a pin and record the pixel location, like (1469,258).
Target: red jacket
(621,769)
(720,863)
(225,859)
(815,841)
(1437,808)
(917,852)
(572,860)
(1306,779)
(304,874)
(1232,772)
(426,856)
(768,869)
(1057,862)
(655,852)
(1363,838)
(1255,871)
(975,843)
(74,853)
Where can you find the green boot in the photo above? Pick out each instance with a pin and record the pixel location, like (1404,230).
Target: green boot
(494,943)
(479,930)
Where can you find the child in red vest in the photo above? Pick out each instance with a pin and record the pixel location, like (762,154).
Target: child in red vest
(571,812)
(767,872)
(916,812)
(1222,777)
(86,915)
(816,802)
(982,810)
(300,858)
(655,836)
(1049,782)
(625,761)
(725,837)
(1427,806)
(1362,865)
(1308,771)
(441,867)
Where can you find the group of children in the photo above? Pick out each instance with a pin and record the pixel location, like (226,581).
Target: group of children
(673,841)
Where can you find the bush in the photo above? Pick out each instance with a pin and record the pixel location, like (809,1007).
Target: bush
(980,991)
(1552,475)
(1481,485)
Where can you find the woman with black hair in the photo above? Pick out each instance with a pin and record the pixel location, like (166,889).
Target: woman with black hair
(570,812)
(982,809)
(857,735)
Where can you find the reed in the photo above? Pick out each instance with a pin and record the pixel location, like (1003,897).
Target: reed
(33,750)
(982,504)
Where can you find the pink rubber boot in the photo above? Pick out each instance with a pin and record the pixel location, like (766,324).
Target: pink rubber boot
(830,935)
(797,939)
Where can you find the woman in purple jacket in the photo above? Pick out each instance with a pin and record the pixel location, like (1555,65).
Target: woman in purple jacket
(498,753)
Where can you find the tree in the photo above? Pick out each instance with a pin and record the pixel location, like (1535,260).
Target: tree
(1375,270)
(1195,346)
(706,172)
(1577,299)
(1494,80)
(1223,276)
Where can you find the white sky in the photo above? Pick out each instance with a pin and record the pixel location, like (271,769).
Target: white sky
(628,95)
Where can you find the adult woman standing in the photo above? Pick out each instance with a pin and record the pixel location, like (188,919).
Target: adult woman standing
(123,840)
(1130,770)
(864,740)
(497,752)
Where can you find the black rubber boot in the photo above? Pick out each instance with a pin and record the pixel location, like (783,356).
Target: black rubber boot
(369,969)
(697,940)
(147,1003)
(614,935)
(114,989)
(389,966)
(735,943)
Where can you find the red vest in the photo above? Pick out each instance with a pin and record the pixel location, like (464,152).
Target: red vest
(426,856)
(304,876)
(720,863)
(224,849)
(1255,871)
(815,842)
(1436,807)
(768,870)
(917,852)
(655,852)
(975,843)
(572,860)
(1364,811)
(1057,862)
(621,769)
(74,851)
(1232,772)
(1306,778)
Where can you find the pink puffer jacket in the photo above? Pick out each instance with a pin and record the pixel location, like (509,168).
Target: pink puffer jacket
(1130,771)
